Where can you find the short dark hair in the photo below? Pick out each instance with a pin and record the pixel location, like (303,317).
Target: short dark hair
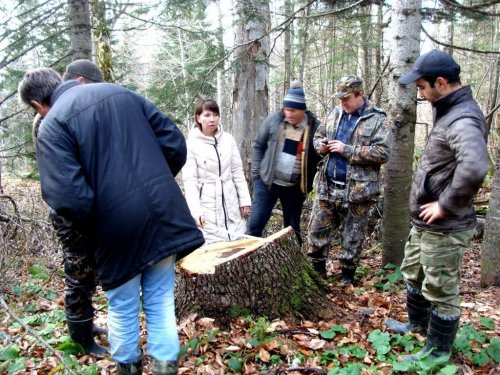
(205,105)
(432,80)
(39,85)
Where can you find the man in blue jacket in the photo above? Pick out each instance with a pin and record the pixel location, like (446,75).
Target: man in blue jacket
(108,159)
(78,258)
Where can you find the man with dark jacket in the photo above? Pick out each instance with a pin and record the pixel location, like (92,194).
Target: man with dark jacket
(107,160)
(452,169)
(78,258)
(283,163)
(354,143)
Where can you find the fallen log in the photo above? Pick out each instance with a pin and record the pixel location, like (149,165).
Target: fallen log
(264,277)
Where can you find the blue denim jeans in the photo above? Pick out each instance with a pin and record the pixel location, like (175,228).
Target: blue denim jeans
(263,201)
(157,285)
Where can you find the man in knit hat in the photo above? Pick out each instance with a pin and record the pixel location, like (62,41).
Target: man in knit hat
(354,143)
(283,163)
(78,257)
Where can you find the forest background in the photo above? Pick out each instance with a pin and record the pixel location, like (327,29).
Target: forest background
(244,54)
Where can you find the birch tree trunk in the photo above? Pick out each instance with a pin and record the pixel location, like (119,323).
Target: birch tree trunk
(405,27)
(250,92)
(80,33)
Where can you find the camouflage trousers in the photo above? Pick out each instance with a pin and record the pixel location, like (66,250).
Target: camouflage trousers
(80,284)
(326,217)
(79,269)
(432,264)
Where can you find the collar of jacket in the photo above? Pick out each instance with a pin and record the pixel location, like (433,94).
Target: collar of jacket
(196,133)
(444,104)
(61,89)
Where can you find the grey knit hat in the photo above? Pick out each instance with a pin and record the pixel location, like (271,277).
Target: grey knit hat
(86,69)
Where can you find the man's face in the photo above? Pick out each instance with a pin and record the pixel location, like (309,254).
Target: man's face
(294,116)
(352,103)
(425,91)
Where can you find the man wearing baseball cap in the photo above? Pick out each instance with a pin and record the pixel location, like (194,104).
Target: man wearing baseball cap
(452,169)
(78,256)
(354,143)
(84,71)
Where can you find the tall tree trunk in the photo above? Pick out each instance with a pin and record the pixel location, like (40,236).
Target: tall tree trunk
(364,58)
(378,92)
(250,92)
(80,29)
(490,254)
(287,49)
(104,58)
(405,24)
(223,99)
(303,45)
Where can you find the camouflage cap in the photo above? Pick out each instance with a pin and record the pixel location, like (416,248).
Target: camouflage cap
(348,85)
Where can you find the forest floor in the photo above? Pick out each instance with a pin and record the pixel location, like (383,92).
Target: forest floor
(34,338)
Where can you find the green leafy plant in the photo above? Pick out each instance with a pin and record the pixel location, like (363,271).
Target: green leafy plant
(390,278)
(331,332)
(380,342)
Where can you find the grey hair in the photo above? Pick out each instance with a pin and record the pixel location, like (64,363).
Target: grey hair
(38,84)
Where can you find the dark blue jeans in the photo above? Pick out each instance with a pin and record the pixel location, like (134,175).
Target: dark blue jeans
(263,201)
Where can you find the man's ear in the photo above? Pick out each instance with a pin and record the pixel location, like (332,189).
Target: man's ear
(42,109)
(441,83)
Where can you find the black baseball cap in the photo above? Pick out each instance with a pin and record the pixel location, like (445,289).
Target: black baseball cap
(86,69)
(435,63)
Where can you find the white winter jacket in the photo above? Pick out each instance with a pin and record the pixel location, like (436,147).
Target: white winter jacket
(215,185)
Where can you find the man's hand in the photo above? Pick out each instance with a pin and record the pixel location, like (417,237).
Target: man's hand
(332,146)
(432,212)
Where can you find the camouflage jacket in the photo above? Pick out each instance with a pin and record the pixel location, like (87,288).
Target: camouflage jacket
(454,164)
(366,150)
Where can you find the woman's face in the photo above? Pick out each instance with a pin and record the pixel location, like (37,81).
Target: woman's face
(209,122)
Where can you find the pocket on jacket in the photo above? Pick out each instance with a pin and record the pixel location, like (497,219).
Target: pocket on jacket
(362,187)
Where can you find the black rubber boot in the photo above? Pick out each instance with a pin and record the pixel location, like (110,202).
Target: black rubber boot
(319,266)
(347,277)
(440,336)
(96,330)
(418,314)
(130,368)
(164,367)
(81,333)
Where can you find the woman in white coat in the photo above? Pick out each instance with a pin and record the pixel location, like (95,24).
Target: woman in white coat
(214,183)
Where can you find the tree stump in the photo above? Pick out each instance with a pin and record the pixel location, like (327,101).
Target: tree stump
(265,277)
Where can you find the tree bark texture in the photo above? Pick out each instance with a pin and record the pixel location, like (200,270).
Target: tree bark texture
(250,93)
(490,254)
(80,29)
(405,25)
(102,40)
(269,277)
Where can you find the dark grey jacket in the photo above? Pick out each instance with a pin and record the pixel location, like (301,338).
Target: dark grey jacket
(454,164)
(265,150)
(107,159)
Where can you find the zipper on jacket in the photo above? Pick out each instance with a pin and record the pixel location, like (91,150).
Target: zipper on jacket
(224,209)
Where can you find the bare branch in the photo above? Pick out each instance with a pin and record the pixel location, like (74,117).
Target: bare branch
(472,9)
(457,47)
(36,336)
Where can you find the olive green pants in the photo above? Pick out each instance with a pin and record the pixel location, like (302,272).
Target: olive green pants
(432,264)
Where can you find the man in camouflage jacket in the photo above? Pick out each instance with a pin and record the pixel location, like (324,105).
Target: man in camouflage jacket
(354,143)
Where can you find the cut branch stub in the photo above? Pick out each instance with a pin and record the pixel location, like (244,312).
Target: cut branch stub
(269,277)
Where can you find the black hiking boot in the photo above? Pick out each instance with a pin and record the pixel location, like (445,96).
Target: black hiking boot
(418,314)
(81,332)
